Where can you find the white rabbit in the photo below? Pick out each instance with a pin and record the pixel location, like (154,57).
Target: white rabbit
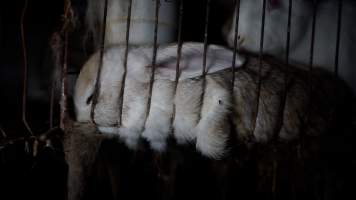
(220,108)
(210,131)
(275,33)
(142,21)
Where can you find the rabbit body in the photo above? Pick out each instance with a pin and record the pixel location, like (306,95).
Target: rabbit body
(209,130)
(207,121)
(275,33)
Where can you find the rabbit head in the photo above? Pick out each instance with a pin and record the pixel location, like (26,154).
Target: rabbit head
(275,32)
(276,21)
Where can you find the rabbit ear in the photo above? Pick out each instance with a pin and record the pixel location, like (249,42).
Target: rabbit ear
(191,61)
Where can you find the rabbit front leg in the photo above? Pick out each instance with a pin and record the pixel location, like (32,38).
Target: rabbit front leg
(134,111)
(158,124)
(188,104)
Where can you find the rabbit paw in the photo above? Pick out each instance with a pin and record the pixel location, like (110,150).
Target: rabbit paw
(130,136)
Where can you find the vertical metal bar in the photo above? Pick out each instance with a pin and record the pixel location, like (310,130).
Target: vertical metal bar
(305,118)
(179,50)
(339,21)
(286,75)
(290,7)
(203,74)
(154,57)
(102,49)
(311,58)
(259,83)
(179,55)
(25,73)
(237,17)
(122,91)
(206,38)
(283,102)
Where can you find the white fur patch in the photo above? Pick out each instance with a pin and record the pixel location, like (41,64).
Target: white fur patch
(158,124)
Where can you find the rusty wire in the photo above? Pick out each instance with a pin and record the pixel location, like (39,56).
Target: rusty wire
(154,59)
(259,83)
(102,49)
(122,91)
(237,18)
(25,69)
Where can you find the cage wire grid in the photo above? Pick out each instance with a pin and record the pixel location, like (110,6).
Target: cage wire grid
(62,40)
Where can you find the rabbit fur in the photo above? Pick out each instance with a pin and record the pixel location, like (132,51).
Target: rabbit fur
(219,108)
(275,33)
(210,131)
